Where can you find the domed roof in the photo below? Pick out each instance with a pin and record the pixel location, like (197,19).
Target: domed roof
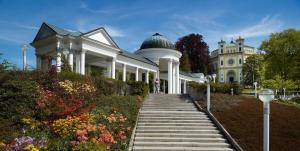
(157,41)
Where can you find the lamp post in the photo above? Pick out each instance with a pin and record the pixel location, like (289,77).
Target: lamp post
(214,77)
(208,79)
(255,87)
(266,96)
(231,91)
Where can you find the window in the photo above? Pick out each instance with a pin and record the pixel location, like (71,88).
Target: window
(221,50)
(240,61)
(222,46)
(221,62)
(240,49)
(230,61)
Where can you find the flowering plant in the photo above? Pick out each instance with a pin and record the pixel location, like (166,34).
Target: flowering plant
(26,143)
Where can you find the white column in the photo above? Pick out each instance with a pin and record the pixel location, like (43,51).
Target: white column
(178,84)
(77,63)
(179,92)
(38,62)
(82,62)
(124,72)
(184,87)
(58,61)
(174,84)
(136,74)
(71,56)
(71,60)
(154,79)
(170,77)
(147,76)
(24,50)
(208,96)
(113,68)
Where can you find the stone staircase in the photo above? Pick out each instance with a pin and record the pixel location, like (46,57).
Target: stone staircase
(171,123)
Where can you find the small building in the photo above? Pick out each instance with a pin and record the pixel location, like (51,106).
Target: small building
(96,50)
(228,60)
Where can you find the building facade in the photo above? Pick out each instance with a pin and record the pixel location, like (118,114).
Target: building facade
(97,50)
(228,60)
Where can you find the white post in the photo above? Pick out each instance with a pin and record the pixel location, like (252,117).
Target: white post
(124,72)
(113,68)
(184,86)
(136,74)
(82,62)
(231,91)
(147,76)
(266,125)
(255,93)
(71,56)
(24,50)
(77,63)
(178,84)
(170,77)
(208,96)
(174,78)
(58,61)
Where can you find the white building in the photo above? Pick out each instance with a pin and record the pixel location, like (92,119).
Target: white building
(97,49)
(229,58)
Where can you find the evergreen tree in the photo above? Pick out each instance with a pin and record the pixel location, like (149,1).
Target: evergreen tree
(65,65)
(185,63)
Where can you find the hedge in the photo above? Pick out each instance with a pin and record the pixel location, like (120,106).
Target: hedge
(216,88)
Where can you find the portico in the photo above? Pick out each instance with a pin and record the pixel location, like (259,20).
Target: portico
(96,50)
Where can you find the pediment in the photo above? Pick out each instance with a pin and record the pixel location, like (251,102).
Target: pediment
(44,32)
(102,36)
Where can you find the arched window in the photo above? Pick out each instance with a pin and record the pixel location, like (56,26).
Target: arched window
(221,62)
(240,61)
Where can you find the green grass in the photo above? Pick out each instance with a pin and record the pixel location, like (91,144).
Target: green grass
(247,90)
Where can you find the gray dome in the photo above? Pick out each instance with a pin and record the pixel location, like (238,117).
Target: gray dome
(157,41)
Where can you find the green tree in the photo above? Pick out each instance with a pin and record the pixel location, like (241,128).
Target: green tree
(282,52)
(4,64)
(185,62)
(252,69)
(65,65)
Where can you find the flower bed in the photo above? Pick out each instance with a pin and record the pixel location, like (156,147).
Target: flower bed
(51,111)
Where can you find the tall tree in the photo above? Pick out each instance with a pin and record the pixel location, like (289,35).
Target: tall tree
(185,62)
(252,69)
(197,51)
(281,51)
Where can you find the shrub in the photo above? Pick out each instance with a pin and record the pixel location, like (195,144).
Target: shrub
(17,99)
(138,88)
(90,146)
(217,88)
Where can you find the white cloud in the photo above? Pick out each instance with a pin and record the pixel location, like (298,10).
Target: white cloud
(264,27)
(85,6)
(114,32)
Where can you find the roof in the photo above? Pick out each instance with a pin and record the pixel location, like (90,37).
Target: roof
(64,32)
(188,74)
(157,41)
(137,57)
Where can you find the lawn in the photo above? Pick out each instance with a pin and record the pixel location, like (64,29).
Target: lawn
(243,117)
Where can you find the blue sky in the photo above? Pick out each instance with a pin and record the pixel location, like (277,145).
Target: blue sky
(130,22)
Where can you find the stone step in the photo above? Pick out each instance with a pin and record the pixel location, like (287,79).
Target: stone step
(172,115)
(171,112)
(180,144)
(176,127)
(193,131)
(170,109)
(179,139)
(174,118)
(175,124)
(142,148)
(189,135)
(175,121)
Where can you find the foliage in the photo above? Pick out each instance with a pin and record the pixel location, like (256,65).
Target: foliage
(197,51)
(90,146)
(4,64)
(282,51)
(252,69)
(216,88)
(17,99)
(279,83)
(185,62)
(139,88)
(65,67)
